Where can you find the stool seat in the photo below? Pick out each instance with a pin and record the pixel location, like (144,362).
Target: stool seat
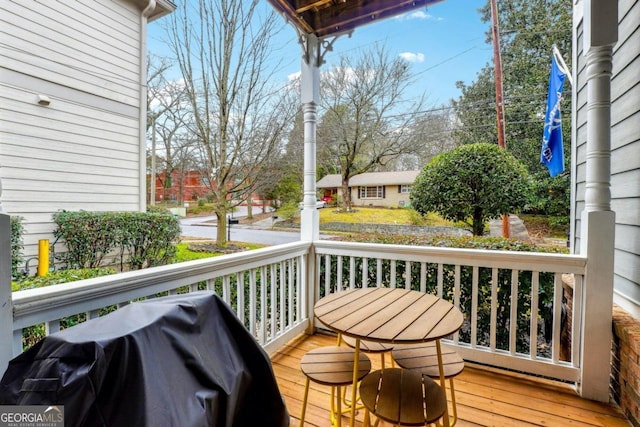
(424,358)
(402,397)
(332,366)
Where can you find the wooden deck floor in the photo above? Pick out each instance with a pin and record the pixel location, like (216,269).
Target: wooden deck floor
(484,397)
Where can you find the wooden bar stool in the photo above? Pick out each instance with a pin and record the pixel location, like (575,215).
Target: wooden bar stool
(423,358)
(332,366)
(402,397)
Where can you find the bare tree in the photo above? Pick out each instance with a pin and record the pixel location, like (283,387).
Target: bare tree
(168,114)
(361,127)
(432,133)
(222,49)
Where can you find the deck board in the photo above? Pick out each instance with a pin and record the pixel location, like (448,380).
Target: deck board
(485,397)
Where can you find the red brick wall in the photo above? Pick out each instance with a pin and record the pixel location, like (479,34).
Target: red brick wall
(625,364)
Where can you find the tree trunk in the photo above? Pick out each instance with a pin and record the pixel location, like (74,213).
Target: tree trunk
(346,195)
(221,235)
(249,210)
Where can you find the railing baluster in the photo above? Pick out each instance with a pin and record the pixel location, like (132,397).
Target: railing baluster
(513,317)
(263,305)
(456,286)
(378,272)
(407,274)
(240,304)
(339,272)
(533,337)
(494,309)
(226,294)
(365,272)
(17,342)
(440,284)
(276,278)
(474,306)
(302,292)
(291,289)
(253,301)
(283,290)
(576,318)
(52,327)
(392,284)
(327,274)
(557,317)
(352,272)
(274,299)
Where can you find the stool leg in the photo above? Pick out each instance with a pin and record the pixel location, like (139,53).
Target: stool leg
(453,402)
(339,411)
(304,401)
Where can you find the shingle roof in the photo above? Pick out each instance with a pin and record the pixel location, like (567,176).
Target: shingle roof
(370,178)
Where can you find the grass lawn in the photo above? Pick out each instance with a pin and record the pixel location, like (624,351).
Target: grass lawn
(381,216)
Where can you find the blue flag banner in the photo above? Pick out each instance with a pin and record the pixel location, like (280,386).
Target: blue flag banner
(552,153)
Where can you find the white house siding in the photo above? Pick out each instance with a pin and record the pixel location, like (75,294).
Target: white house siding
(625,156)
(83,150)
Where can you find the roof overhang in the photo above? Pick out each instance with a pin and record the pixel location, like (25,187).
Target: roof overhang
(330,17)
(162,8)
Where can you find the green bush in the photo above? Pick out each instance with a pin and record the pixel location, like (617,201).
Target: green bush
(472,183)
(140,239)
(16,245)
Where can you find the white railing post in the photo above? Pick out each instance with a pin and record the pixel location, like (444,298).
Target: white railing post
(598,220)
(6,307)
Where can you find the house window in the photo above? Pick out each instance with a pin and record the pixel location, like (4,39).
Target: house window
(376,192)
(405,189)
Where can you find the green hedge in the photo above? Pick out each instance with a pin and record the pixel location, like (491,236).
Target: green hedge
(16,244)
(137,239)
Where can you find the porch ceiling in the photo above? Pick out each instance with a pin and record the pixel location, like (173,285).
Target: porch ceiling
(330,17)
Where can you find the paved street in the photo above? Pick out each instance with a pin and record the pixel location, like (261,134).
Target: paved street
(260,232)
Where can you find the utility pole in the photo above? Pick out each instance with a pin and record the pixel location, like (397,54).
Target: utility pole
(497,62)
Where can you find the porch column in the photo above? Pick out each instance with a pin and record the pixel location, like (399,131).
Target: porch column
(6,306)
(310,96)
(598,220)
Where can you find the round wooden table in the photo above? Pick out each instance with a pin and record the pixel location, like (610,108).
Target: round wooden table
(390,316)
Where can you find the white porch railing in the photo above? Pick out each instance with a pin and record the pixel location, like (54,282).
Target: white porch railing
(265,287)
(512,302)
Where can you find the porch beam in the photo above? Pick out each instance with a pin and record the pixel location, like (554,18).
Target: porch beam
(598,220)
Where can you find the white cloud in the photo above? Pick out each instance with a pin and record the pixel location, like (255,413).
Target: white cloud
(418,14)
(412,57)
(294,76)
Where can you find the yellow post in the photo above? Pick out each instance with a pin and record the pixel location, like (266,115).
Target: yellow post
(43,257)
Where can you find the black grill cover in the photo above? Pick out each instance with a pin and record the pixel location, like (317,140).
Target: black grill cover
(182,360)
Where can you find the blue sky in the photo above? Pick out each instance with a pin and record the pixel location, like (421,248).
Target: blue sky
(444,42)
